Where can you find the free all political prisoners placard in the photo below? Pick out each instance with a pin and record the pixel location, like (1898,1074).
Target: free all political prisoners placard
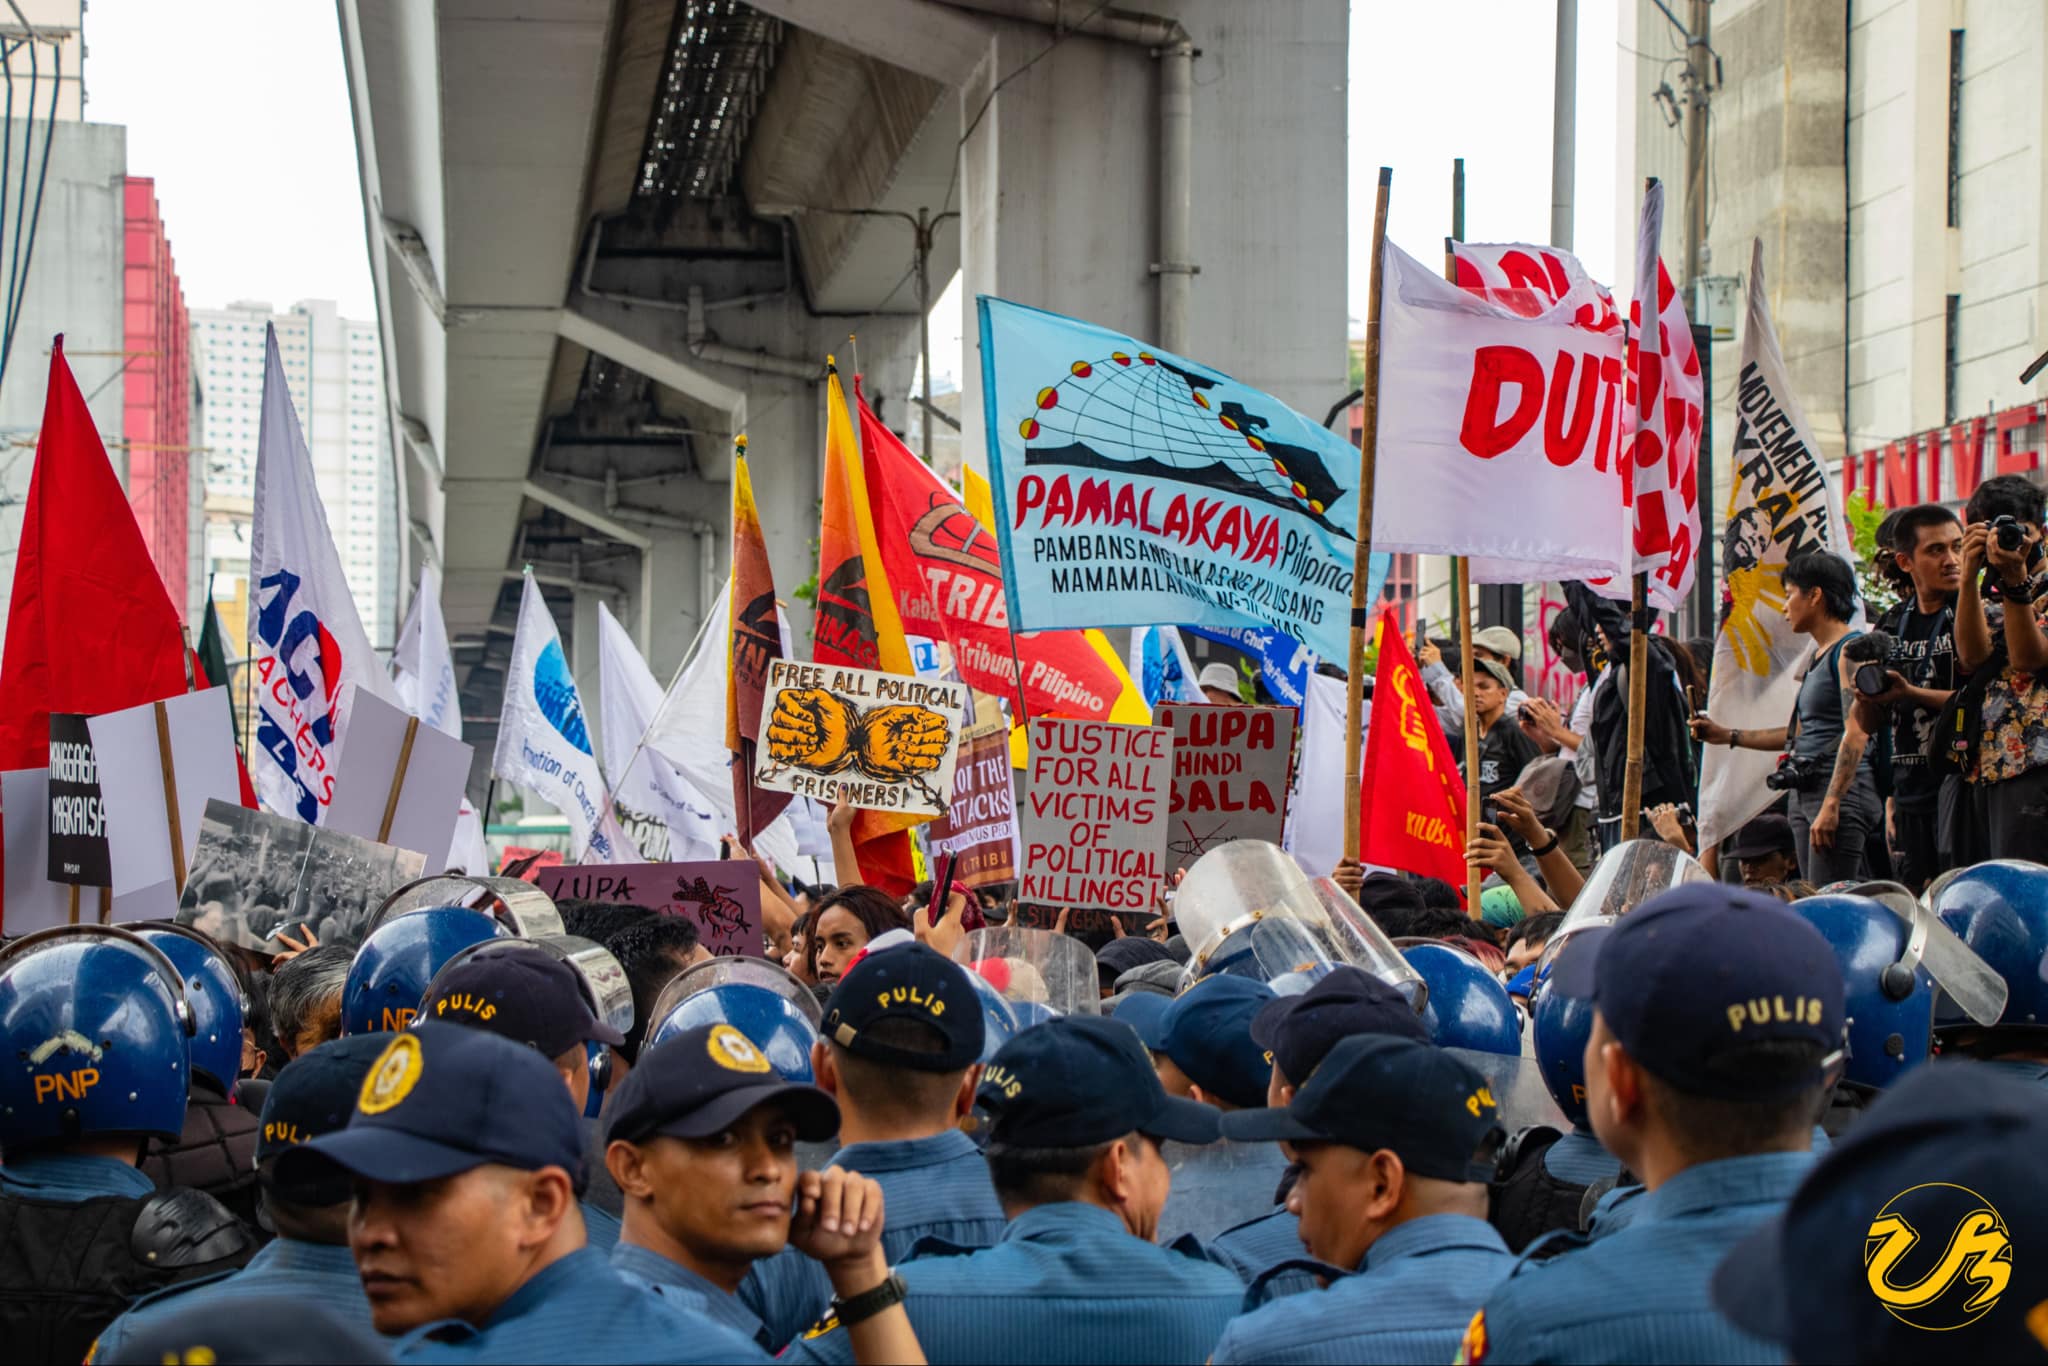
(882,741)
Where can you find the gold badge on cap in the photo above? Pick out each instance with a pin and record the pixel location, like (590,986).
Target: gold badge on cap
(392,1078)
(734,1051)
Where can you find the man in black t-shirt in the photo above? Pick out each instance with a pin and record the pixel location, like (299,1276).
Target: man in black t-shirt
(1919,675)
(1504,750)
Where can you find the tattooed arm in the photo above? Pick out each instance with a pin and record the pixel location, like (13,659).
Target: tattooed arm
(1848,757)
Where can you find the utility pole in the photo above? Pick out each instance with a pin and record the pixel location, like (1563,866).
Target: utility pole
(1699,83)
(1564,125)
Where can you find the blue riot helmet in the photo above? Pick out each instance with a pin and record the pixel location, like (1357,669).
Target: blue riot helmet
(1467,1007)
(215,989)
(2000,911)
(396,963)
(999,1021)
(762,1000)
(1559,1024)
(99,1020)
(1891,992)
(1031,1013)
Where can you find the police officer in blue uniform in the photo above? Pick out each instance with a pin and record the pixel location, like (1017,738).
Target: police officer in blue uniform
(237,1328)
(309,1261)
(1946,1164)
(1396,1140)
(397,962)
(465,1226)
(900,1053)
(520,992)
(98,1028)
(703,1147)
(1076,1118)
(1202,1047)
(1717,1032)
(2000,909)
(1298,1032)
(216,1152)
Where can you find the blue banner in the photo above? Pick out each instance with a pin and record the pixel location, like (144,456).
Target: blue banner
(1135,487)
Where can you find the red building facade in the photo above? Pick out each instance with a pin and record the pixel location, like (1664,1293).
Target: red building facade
(156,387)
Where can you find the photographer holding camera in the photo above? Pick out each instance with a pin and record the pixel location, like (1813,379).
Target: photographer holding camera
(1833,807)
(1905,673)
(1999,720)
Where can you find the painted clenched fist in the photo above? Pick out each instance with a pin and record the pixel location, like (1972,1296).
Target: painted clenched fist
(811,729)
(898,741)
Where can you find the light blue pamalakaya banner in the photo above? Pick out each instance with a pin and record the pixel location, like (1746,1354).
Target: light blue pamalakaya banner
(1134,487)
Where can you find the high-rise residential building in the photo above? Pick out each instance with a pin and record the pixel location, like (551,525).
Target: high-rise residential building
(336,380)
(1891,158)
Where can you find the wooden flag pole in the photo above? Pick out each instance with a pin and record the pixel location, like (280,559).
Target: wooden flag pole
(107,905)
(163,751)
(1638,702)
(1361,560)
(1461,589)
(74,903)
(412,728)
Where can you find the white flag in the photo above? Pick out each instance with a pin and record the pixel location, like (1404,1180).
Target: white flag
(1782,502)
(543,743)
(305,638)
(1160,665)
(660,812)
(423,667)
(1499,432)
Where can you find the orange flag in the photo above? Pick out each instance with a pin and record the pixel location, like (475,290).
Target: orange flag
(756,640)
(1411,809)
(857,624)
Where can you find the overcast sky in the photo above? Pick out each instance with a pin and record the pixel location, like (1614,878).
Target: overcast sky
(240,110)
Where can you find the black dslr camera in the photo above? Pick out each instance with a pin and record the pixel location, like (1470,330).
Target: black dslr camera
(2011,535)
(1798,773)
(1871,652)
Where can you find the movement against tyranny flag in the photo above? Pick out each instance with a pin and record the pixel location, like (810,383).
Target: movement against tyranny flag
(662,815)
(756,637)
(422,665)
(305,639)
(1782,502)
(1411,804)
(948,578)
(543,743)
(1665,393)
(1136,487)
(857,624)
(90,628)
(1499,432)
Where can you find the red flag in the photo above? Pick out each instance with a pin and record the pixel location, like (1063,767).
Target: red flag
(948,579)
(756,642)
(90,628)
(1411,807)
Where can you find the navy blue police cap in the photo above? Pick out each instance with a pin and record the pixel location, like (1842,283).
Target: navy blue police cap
(315,1094)
(1374,1091)
(520,993)
(442,1099)
(700,1082)
(1918,1236)
(907,982)
(1694,979)
(230,1329)
(1299,1031)
(1080,1080)
(1207,1032)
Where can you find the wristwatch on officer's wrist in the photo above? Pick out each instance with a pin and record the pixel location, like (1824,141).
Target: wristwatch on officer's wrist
(859,1308)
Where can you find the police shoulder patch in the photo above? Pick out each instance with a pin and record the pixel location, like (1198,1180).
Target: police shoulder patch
(1472,1349)
(828,1324)
(734,1051)
(392,1077)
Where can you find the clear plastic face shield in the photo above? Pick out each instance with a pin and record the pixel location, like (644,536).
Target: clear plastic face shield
(1247,908)
(1973,984)
(746,972)
(522,908)
(1625,877)
(1034,967)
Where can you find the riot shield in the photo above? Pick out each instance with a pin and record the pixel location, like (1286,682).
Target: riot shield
(1217,1186)
(1517,1087)
(1034,968)
(522,908)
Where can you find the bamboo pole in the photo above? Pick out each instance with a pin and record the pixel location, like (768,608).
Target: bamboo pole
(1361,560)
(170,774)
(1461,588)
(1638,702)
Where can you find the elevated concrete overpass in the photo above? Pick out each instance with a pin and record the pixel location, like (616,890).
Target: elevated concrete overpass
(607,235)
